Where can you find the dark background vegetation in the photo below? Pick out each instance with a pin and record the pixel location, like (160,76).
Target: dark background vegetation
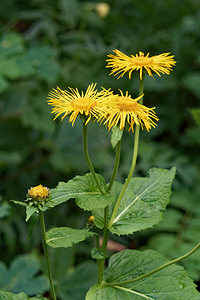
(45,43)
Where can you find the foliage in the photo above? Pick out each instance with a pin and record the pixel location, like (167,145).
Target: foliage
(21,277)
(130,264)
(48,43)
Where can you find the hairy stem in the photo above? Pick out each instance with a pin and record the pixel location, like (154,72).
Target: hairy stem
(42,223)
(85,150)
(157,269)
(134,159)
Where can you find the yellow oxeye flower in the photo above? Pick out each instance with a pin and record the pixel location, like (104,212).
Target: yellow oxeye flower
(125,110)
(39,192)
(121,63)
(73,103)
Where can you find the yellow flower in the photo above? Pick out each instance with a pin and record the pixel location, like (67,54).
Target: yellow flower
(40,192)
(125,110)
(121,63)
(73,103)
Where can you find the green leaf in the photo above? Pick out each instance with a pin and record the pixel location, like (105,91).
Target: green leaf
(170,283)
(97,253)
(143,202)
(22,276)
(10,296)
(30,210)
(85,190)
(66,237)
(172,246)
(19,203)
(196,115)
(116,135)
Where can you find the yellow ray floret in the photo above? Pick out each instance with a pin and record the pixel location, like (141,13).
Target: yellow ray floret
(73,103)
(120,63)
(125,110)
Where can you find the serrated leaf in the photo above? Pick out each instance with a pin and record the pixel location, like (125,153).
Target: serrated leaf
(30,210)
(22,276)
(143,203)
(85,190)
(170,283)
(116,135)
(66,237)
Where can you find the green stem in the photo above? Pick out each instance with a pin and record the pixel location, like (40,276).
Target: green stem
(157,269)
(116,164)
(104,245)
(106,213)
(41,215)
(85,150)
(134,159)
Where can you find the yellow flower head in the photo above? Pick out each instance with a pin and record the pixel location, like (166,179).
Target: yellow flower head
(40,192)
(73,103)
(125,110)
(121,63)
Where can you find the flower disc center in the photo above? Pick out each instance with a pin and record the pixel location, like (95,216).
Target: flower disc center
(83,103)
(127,104)
(140,61)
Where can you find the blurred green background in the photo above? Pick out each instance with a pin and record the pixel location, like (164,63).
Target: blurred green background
(46,43)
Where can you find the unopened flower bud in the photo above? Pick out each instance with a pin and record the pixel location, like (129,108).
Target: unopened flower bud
(91,220)
(38,192)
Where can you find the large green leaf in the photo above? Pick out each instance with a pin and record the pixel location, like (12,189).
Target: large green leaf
(85,190)
(171,246)
(21,277)
(66,237)
(170,283)
(143,202)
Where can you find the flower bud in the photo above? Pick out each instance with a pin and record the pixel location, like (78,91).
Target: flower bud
(91,220)
(38,192)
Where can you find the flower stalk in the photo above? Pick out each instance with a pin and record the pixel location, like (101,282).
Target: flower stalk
(42,223)
(85,150)
(134,159)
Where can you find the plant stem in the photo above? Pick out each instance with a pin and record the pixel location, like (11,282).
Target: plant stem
(104,245)
(106,213)
(134,159)
(85,150)
(157,269)
(116,164)
(42,223)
